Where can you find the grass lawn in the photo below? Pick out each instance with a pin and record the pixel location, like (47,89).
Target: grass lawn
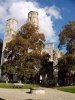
(10,86)
(70,89)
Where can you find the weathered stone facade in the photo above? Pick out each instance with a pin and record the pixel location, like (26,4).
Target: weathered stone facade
(11,28)
(49,47)
(10,31)
(33,18)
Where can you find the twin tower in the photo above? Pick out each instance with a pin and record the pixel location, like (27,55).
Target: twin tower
(11,28)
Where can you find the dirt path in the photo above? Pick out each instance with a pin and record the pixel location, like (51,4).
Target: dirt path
(21,94)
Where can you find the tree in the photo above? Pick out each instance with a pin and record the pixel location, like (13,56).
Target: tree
(67,37)
(24,51)
(66,67)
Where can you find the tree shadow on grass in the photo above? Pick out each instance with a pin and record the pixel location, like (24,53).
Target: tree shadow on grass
(2,99)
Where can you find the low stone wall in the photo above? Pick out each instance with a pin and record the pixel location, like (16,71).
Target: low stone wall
(37,91)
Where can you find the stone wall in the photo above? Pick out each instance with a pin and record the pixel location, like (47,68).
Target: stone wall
(10,30)
(33,18)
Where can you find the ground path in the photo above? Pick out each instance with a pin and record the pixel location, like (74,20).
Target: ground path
(21,94)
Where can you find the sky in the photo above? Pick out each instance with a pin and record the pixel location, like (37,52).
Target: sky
(53,15)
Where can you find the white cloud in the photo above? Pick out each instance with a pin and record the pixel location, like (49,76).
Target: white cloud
(2,11)
(2,15)
(54,11)
(19,9)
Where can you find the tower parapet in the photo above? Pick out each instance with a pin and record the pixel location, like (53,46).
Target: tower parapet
(33,18)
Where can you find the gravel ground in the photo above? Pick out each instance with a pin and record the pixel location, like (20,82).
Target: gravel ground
(22,94)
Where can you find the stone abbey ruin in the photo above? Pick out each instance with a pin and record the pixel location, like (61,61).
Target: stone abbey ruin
(11,30)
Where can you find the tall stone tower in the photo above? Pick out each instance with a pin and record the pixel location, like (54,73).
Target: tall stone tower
(10,31)
(33,18)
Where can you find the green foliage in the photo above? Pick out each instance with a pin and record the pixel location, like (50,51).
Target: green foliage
(8,68)
(48,83)
(68,61)
(67,37)
(24,52)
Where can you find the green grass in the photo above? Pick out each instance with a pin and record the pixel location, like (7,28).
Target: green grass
(70,89)
(10,86)
(4,85)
